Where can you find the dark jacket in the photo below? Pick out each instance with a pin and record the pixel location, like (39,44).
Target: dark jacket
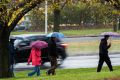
(103,47)
(12,53)
(52,48)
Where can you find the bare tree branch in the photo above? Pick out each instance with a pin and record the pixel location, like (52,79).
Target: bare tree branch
(15,8)
(115,3)
(64,4)
(21,4)
(26,9)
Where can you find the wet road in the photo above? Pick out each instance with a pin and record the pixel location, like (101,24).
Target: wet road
(76,62)
(87,61)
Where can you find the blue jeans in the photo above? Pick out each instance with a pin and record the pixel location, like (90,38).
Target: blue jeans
(36,70)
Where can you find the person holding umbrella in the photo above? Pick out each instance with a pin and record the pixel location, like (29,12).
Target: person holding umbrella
(103,53)
(35,56)
(52,48)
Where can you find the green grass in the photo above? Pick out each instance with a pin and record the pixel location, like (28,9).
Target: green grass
(90,47)
(85,32)
(71,74)
(25,32)
(82,32)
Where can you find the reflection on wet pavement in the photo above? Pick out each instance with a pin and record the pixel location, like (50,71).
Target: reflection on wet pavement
(76,62)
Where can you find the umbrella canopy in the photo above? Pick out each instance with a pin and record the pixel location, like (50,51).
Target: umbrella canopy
(113,34)
(39,44)
(56,34)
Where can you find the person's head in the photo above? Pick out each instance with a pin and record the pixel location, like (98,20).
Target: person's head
(12,41)
(106,37)
(53,38)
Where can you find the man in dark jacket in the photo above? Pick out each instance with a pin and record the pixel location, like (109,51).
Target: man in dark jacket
(12,54)
(103,53)
(52,48)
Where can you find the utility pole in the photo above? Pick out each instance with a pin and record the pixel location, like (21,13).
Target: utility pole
(46,22)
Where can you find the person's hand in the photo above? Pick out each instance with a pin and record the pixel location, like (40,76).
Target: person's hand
(109,44)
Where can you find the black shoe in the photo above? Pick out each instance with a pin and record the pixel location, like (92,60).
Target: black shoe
(47,72)
(53,73)
(111,70)
(98,71)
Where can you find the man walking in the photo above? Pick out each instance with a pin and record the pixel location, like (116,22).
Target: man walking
(103,53)
(12,56)
(52,48)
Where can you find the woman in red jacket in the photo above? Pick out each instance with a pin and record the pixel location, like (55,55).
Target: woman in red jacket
(35,57)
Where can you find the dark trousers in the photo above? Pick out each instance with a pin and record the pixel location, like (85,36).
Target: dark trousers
(12,70)
(101,61)
(53,61)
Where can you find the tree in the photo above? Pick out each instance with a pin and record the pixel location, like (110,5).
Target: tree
(37,19)
(58,5)
(116,5)
(54,8)
(10,14)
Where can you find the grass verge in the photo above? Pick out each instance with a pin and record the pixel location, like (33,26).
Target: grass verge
(71,74)
(90,47)
(79,32)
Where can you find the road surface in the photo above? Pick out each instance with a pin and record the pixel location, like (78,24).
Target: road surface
(76,62)
(88,61)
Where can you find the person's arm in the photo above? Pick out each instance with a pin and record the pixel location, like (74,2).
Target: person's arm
(104,44)
(29,59)
(108,46)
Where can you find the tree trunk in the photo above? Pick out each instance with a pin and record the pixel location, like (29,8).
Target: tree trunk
(119,23)
(56,20)
(115,26)
(4,52)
